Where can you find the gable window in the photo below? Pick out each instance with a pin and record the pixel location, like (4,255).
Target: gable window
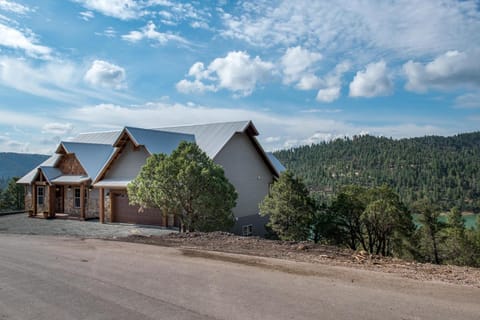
(76,198)
(40,195)
(247,230)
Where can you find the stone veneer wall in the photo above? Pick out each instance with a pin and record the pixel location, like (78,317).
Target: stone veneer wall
(108,208)
(69,204)
(91,203)
(28,198)
(92,208)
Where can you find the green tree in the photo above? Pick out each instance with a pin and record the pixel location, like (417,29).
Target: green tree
(13,196)
(430,232)
(348,207)
(385,221)
(289,208)
(188,184)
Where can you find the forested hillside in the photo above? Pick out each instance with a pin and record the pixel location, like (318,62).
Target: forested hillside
(17,164)
(443,169)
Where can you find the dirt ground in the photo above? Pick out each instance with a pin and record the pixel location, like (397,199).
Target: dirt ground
(313,253)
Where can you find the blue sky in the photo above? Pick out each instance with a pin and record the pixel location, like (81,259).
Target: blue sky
(303,71)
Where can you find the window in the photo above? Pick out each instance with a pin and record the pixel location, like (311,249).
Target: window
(247,230)
(76,198)
(40,195)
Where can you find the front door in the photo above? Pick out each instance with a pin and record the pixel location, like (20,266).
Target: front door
(59,199)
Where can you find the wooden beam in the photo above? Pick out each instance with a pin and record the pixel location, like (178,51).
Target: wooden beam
(82,201)
(102,205)
(51,200)
(34,198)
(111,206)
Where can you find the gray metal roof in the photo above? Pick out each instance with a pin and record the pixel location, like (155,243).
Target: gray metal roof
(112,183)
(276,163)
(211,137)
(91,156)
(69,179)
(29,177)
(93,150)
(50,173)
(157,141)
(105,137)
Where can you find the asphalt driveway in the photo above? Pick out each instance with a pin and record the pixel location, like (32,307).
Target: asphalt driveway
(22,224)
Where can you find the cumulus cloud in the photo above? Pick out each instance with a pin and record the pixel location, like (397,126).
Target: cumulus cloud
(450,70)
(149,32)
(105,74)
(404,28)
(297,63)
(332,83)
(372,82)
(26,41)
(57,128)
(237,72)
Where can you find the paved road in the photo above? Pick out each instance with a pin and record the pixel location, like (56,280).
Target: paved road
(45,277)
(22,224)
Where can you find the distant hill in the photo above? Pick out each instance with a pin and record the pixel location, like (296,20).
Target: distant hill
(444,169)
(17,164)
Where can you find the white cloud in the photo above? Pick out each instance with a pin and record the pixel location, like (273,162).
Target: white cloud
(13,7)
(297,62)
(105,74)
(450,70)
(329,94)
(57,128)
(149,32)
(372,82)
(332,83)
(468,101)
(109,33)
(276,131)
(404,27)
(121,9)
(15,39)
(195,86)
(237,72)
(87,15)
(51,79)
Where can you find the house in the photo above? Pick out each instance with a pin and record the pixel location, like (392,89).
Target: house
(87,177)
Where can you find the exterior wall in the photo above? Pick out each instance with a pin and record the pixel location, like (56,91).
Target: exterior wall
(70,165)
(128,164)
(69,205)
(92,206)
(247,171)
(46,200)
(107,205)
(28,198)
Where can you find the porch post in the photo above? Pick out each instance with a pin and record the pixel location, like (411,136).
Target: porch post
(51,200)
(102,205)
(34,198)
(82,201)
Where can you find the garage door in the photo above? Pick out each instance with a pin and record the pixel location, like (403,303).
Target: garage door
(125,213)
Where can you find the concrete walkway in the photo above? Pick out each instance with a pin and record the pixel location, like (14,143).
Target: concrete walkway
(22,224)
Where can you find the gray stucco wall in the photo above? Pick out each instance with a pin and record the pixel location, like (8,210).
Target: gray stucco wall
(128,164)
(247,171)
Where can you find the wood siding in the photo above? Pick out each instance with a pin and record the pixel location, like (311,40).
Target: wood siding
(69,164)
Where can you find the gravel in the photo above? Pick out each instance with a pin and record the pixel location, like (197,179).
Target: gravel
(22,224)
